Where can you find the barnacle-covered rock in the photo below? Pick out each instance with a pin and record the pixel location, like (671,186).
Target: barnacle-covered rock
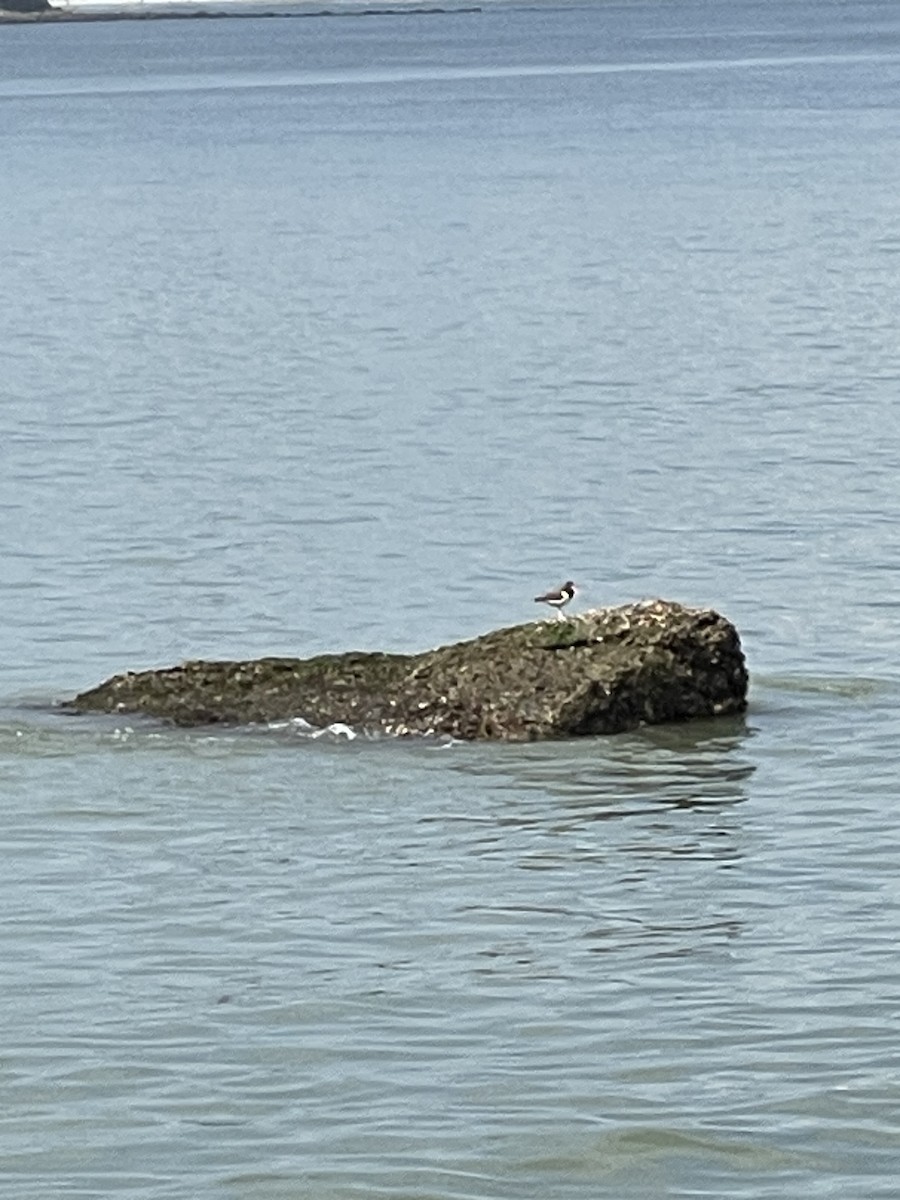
(602,671)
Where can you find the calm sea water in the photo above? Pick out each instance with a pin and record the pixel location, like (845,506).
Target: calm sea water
(335,333)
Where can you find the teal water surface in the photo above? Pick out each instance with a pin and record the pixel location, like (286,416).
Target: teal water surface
(334,333)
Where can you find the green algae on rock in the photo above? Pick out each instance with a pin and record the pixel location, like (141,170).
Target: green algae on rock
(602,671)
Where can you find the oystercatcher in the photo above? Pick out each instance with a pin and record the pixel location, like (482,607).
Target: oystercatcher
(559,598)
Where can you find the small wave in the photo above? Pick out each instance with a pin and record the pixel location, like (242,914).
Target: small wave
(338,731)
(44,728)
(846,687)
(300,726)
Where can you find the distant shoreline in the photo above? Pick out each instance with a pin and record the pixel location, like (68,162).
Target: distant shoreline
(137,12)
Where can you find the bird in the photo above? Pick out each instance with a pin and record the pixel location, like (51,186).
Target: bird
(558,598)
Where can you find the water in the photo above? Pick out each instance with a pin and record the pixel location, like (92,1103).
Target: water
(334,333)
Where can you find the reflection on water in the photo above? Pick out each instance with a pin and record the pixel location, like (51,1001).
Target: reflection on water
(606,837)
(690,765)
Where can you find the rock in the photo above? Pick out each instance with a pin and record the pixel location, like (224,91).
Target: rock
(598,672)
